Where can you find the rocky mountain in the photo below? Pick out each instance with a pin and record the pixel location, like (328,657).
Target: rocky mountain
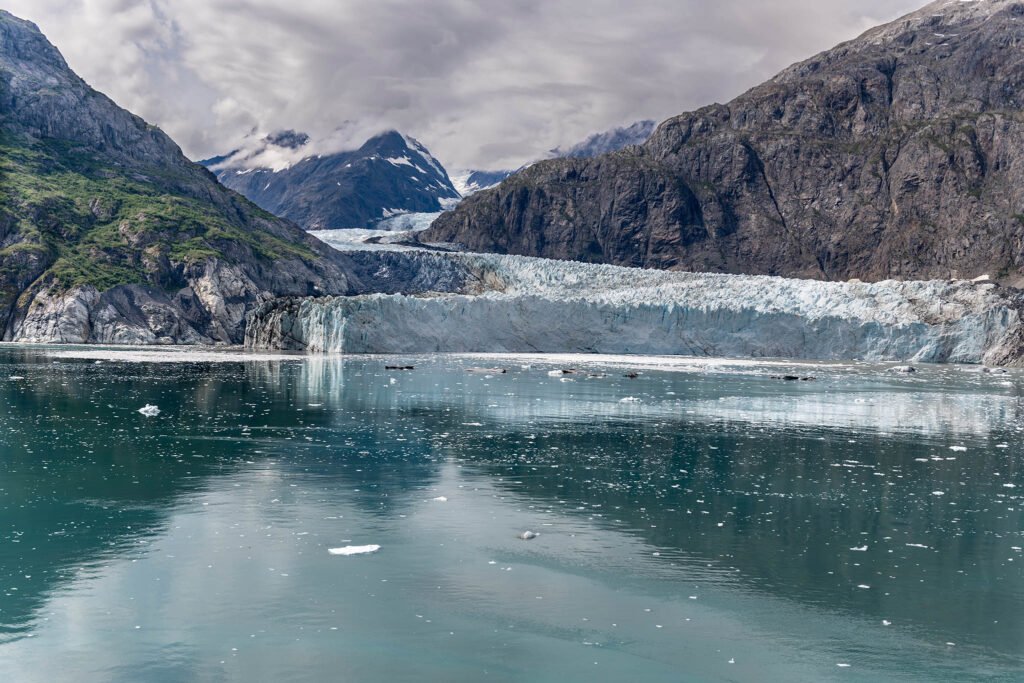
(471,182)
(389,175)
(899,154)
(109,234)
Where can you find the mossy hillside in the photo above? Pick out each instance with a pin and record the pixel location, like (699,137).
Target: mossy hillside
(100,225)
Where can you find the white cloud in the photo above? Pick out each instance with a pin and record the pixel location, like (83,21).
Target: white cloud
(483,84)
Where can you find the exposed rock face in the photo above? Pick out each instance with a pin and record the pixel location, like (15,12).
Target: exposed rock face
(898,154)
(388,175)
(109,234)
(517,304)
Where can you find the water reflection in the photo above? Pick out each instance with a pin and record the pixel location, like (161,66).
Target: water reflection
(807,512)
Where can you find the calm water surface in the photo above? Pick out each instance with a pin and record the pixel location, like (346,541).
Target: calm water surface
(716,525)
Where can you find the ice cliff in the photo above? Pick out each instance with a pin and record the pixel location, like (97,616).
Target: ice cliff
(521,304)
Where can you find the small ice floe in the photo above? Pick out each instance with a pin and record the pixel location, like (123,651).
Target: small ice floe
(917,545)
(555,373)
(958,449)
(862,549)
(149,410)
(487,371)
(441,499)
(886,622)
(904,369)
(15,378)
(354,550)
(631,399)
(528,535)
(938,493)
(994,371)
(843,665)
(864,586)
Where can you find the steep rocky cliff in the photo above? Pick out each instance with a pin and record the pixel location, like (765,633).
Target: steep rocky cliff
(899,154)
(109,234)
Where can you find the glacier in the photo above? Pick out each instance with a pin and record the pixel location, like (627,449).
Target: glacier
(514,304)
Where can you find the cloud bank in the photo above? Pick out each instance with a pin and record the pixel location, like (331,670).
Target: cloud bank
(485,84)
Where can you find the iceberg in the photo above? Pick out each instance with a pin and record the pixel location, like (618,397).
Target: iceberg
(515,304)
(354,550)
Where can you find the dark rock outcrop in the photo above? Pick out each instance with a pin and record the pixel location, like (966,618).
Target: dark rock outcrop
(897,155)
(109,234)
(388,175)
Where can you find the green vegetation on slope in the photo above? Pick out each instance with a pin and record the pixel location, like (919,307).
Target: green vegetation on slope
(98,224)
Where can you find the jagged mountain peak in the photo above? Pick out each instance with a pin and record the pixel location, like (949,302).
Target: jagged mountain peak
(22,42)
(389,174)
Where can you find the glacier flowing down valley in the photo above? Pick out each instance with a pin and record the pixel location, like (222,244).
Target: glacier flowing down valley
(511,304)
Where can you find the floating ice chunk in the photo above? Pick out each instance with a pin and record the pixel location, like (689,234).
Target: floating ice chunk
(354,550)
(917,545)
(441,499)
(631,399)
(528,535)
(864,586)
(843,665)
(938,493)
(958,449)
(862,549)
(16,377)
(886,622)
(555,373)
(149,410)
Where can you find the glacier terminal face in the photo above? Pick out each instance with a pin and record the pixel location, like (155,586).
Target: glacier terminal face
(511,304)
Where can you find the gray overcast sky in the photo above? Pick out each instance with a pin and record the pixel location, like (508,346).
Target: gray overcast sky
(486,84)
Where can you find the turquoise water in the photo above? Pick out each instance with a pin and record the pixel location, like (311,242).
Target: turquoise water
(699,524)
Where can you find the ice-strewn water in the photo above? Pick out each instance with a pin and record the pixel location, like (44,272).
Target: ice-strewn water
(720,525)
